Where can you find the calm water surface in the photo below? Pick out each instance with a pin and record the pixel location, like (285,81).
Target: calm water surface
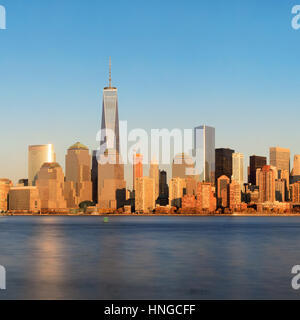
(149,257)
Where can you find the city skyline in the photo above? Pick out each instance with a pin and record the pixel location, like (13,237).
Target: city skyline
(244,86)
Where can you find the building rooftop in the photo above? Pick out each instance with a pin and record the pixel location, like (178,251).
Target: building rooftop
(78,146)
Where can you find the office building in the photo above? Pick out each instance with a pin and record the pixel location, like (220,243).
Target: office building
(280,158)
(37,156)
(137,167)
(154,174)
(182,166)
(50,184)
(24,199)
(224,162)
(223,191)
(256,162)
(78,184)
(204,149)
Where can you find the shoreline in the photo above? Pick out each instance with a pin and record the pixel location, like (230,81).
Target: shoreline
(153,215)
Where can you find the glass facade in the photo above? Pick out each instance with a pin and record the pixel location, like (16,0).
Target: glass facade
(204,151)
(110,120)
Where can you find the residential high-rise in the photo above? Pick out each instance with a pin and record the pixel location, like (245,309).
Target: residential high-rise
(78,184)
(256,162)
(280,158)
(238,168)
(177,190)
(234,195)
(266,183)
(137,167)
(154,174)
(110,136)
(144,195)
(204,149)
(223,191)
(111,183)
(206,200)
(37,156)
(182,166)
(50,184)
(5,185)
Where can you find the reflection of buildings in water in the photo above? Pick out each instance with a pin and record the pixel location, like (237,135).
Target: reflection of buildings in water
(48,260)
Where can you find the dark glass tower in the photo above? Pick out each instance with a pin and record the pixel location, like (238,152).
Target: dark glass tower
(256,162)
(224,162)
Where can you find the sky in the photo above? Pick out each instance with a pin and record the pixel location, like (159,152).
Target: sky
(229,64)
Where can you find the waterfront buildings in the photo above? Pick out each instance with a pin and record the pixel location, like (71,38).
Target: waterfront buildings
(295,192)
(78,185)
(238,168)
(24,199)
(204,149)
(111,183)
(5,186)
(50,184)
(223,162)
(256,162)
(266,183)
(137,167)
(37,156)
(144,195)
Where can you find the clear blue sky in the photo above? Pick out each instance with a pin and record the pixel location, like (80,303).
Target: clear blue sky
(230,64)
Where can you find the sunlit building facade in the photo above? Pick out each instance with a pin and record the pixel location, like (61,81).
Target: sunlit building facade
(37,156)
(204,150)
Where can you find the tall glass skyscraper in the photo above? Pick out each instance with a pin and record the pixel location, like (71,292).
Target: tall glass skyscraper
(110,118)
(204,151)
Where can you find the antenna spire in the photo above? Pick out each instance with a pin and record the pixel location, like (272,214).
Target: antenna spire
(110,72)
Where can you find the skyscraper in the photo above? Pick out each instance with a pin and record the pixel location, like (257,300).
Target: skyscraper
(224,162)
(204,149)
(238,168)
(280,158)
(256,162)
(137,167)
(163,188)
(37,156)
(110,118)
(78,175)
(177,190)
(154,174)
